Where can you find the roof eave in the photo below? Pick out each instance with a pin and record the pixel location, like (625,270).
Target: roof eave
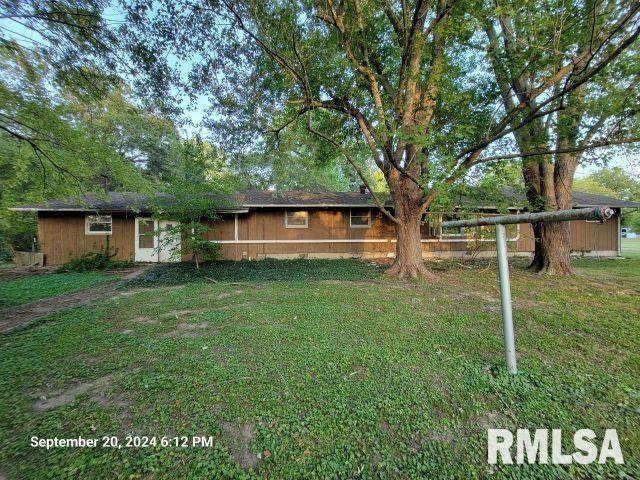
(311,205)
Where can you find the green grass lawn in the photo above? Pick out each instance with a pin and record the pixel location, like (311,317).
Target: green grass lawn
(34,287)
(325,369)
(630,245)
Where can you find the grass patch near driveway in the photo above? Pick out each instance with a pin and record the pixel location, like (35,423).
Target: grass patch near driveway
(336,372)
(34,287)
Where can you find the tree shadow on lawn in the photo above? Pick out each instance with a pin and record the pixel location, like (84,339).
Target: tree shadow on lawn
(259,271)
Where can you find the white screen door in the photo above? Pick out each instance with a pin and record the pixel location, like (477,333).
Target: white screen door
(146,240)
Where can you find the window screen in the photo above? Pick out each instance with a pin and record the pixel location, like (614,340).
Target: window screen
(145,234)
(98,224)
(296,219)
(360,218)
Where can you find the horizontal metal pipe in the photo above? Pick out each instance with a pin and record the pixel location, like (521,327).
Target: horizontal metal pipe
(598,213)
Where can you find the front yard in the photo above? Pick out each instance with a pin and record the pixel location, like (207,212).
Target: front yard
(16,291)
(323,369)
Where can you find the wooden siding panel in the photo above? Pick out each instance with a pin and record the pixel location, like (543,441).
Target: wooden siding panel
(62,236)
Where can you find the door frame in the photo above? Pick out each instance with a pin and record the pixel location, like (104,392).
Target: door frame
(142,254)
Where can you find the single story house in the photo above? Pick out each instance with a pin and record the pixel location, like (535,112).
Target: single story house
(293,224)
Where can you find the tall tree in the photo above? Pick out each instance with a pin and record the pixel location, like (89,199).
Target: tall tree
(295,160)
(615,182)
(405,78)
(526,43)
(147,139)
(46,150)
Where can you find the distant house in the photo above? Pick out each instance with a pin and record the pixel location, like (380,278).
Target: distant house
(292,224)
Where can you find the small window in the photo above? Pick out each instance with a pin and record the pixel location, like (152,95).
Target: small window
(296,219)
(360,218)
(98,225)
(146,232)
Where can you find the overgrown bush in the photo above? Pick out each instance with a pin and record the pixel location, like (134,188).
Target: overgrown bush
(95,261)
(193,241)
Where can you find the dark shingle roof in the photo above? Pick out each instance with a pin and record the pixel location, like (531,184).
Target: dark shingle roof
(592,200)
(112,201)
(135,202)
(580,199)
(269,198)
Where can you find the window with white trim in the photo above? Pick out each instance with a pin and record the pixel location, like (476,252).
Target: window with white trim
(360,218)
(296,219)
(98,225)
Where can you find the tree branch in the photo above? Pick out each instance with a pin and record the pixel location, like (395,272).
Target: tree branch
(579,148)
(357,168)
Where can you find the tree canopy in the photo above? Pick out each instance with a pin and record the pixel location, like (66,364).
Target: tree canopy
(416,96)
(414,83)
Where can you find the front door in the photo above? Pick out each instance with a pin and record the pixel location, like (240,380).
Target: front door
(146,240)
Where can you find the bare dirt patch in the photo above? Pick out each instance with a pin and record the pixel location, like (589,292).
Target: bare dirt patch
(443,435)
(63,397)
(385,426)
(187,330)
(92,360)
(488,420)
(11,273)
(192,326)
(237,439)
(357,373)
(21,315)
(223,295)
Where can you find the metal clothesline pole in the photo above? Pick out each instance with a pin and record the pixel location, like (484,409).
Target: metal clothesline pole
(505,297)
(599,213)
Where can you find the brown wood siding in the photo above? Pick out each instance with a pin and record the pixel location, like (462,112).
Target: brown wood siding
(61,237)
(269,224)
(593,237)
(586,237)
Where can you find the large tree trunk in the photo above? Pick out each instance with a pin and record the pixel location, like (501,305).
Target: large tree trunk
(553,239)
(552,253)
(409,262)
(548,187)
(555,242)
(408,211)
(538,255)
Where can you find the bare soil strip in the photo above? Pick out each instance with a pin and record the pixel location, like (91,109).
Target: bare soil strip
(21,315)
